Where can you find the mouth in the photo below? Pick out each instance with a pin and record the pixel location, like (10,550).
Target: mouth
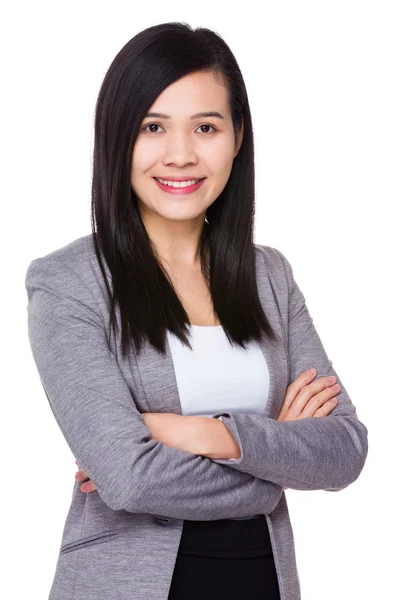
(180,187)
(195,179)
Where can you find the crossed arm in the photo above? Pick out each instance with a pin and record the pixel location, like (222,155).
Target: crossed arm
(306,454)
(136,473)
(101,423)
(200,435)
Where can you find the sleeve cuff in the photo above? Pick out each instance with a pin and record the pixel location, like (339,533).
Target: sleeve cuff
(231,425)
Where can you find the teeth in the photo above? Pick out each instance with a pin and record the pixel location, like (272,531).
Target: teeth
(178,184)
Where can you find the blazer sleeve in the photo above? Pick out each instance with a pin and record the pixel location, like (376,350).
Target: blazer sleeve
(100,422)
(326,453)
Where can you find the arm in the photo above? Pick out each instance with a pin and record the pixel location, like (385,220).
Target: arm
(215,440)
(192,433)
(101,424)
(308,454)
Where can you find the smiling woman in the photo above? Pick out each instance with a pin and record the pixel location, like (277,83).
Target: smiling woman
(173,176)
(186,156)
(206,324)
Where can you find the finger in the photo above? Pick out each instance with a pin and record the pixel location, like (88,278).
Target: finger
(326,408)
(320,399)
(88,487)
(293,389)
(310,394)
(81,475)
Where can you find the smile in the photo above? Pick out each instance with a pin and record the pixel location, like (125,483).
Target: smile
(179,187)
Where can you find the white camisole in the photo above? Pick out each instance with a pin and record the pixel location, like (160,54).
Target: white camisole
(216,377)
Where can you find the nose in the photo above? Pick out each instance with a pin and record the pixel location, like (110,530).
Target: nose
(180,150)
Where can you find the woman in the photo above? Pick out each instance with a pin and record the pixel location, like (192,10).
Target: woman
(166,316)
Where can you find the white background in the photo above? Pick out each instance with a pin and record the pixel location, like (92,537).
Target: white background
(323,84)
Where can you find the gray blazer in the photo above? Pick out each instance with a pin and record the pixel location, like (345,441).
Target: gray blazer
(121,541)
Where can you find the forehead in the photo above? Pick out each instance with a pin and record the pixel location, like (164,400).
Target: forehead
(200,91)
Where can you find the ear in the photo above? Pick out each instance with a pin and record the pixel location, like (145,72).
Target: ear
(239,139)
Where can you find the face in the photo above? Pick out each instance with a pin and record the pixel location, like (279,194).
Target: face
(184,146)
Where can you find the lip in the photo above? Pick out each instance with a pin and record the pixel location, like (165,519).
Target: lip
(179,191)
(186,178)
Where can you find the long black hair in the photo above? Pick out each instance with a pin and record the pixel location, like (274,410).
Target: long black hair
(141,288)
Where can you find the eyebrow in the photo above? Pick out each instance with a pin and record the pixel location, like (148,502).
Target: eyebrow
(212,113)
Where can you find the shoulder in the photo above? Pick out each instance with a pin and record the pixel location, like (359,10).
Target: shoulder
(270,254)
(67,267)
(75,253)
(278,266)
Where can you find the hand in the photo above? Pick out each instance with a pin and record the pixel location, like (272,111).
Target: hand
(81,476)
(307,398)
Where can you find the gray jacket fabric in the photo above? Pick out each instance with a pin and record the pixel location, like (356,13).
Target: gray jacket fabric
(121,541)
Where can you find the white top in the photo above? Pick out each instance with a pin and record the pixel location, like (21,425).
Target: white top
(217,377)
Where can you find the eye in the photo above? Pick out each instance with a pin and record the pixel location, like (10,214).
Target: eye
(156,125)
(207,125)
(150,125)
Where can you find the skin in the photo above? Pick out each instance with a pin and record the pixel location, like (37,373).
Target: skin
(201,147)
(181,146)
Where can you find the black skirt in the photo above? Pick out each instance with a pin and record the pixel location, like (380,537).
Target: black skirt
(225,559)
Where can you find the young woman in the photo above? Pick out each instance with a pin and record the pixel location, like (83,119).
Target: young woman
(165,316)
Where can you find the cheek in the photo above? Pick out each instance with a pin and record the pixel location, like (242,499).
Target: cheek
(221,168)
(218,156)
(143,157)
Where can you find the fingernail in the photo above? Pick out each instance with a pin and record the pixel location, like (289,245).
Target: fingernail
(310,371)
(78,476)
(86,487)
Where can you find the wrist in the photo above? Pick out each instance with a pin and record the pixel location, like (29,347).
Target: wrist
(218,441)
